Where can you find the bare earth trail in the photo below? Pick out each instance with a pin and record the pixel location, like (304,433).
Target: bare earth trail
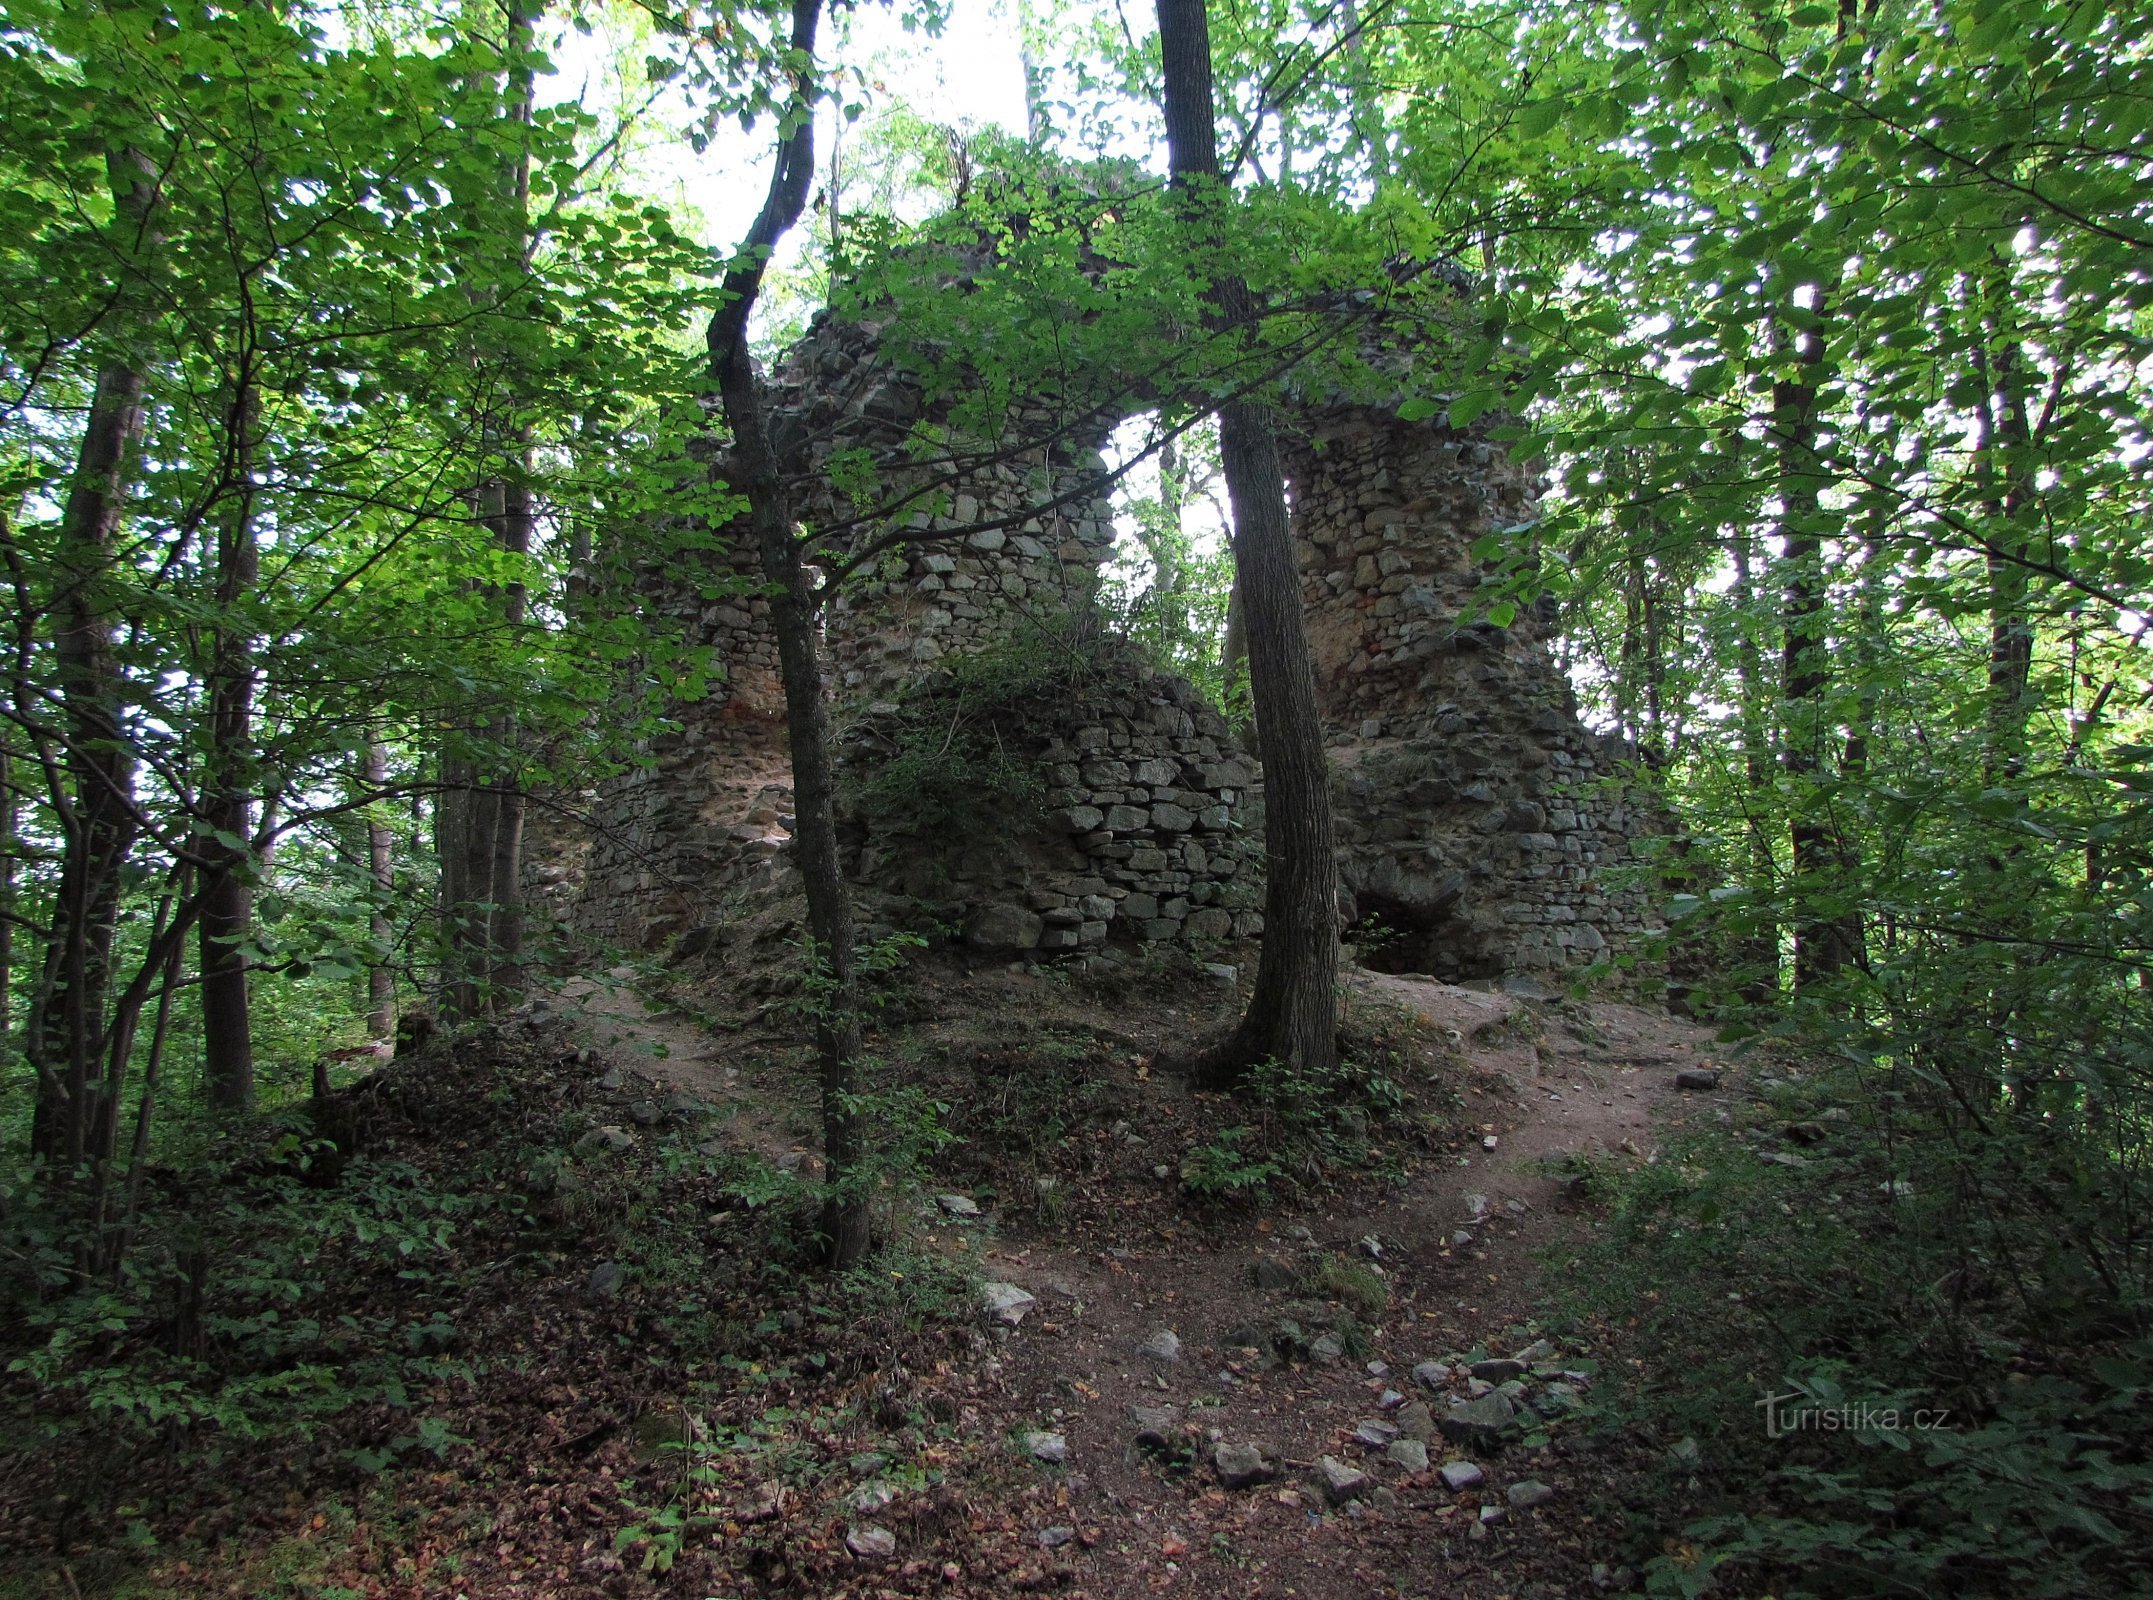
(1459,1249)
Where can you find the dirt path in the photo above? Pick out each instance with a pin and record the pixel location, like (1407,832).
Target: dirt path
(1447,1265)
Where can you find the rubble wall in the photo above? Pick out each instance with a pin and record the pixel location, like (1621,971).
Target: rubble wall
(1482,827)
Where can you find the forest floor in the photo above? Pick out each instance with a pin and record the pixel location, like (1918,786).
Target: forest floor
(653,1400)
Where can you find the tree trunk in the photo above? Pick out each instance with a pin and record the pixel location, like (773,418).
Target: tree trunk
(1826,940)
(1367,110)
(67,1034)
(481,813)
(1760,954)
(504,865)
(227,901)
(2006,486)
(1293,1013)
(845,1219)
(381,869)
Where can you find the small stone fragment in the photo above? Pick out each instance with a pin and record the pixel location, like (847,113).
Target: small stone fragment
(1538,1350)
(1499,1370)
(871,1544)
(1491,1515)
(1375,1435)
(1415,1421)
(1531,1492)
(1054,1538)
(604,1283)
(1340,1482)
(1051,1448)
(1410,1454)
(1435,1374)
(1005,1302)
(605,1141)
(1698,1080)
(1165,1345)
(1326,1349)
(1241,1465)
(1154,1425)
(1460,1475)
(1480,1421)
(958,1205)
(1271,1273)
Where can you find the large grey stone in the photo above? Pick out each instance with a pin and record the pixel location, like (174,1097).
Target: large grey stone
(1005,1302)
(1002,926)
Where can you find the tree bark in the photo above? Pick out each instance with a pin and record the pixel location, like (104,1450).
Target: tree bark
(1292,1015)
(1824,941)
(1759,954)
(381,870)
(2003,450)
(227,901)
(755,475)
(480,837)
(67,1034)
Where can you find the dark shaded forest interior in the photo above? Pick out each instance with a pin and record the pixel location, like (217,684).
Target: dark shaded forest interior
(1336,799)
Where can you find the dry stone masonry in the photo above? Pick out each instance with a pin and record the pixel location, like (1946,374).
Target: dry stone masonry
(1483,830)
(1139,826)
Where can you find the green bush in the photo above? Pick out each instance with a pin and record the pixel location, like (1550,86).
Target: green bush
(1971,1391)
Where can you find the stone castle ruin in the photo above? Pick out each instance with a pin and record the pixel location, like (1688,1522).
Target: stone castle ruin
(1016,776)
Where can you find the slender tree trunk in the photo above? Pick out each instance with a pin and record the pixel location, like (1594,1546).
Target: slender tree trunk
(2003,464)
(845,1220)
(381,869)
(67,1036)
(1037,128)
(1760,954)
(1367,113)
(227,901)
(482,811)
(504,866)
(8,814)
(1293,1013)
(1233,648)
(1824,940)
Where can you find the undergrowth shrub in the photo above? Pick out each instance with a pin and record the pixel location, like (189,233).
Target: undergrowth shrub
(947,772)
(1896,1312)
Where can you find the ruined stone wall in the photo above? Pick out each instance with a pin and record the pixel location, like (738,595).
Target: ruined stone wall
(1014,571)
(1482,828)
(707,811)
(1139,828)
